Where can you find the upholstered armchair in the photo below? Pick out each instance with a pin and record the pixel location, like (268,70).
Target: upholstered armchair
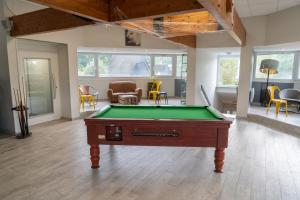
(123,88)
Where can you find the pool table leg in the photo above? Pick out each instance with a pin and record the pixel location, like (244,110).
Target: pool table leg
(95,155)
(219,159)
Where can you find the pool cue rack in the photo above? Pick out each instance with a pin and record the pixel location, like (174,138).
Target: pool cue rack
(22,110)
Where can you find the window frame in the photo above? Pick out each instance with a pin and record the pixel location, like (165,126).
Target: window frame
(179,76)
(276,80)
(218,70)
(125,54)
(152,60)
(174,63)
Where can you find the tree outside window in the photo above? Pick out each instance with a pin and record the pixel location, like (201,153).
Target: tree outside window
(86,64)
(228,71)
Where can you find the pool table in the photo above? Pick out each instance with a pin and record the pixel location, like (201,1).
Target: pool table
(179,126)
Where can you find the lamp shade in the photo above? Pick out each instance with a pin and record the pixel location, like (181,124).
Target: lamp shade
(269,66)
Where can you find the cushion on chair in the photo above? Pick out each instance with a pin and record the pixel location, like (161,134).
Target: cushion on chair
(85,89)
(290,95)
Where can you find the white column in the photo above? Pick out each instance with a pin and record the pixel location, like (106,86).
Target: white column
(191,76)
(244,81)
(74,94)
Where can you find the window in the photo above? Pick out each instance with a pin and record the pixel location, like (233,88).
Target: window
(130,65)
(124,65)
(181,67)
(285,69)
(228,70)
(86,64)
(163,65)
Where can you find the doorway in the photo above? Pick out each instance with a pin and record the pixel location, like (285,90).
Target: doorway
(39,72)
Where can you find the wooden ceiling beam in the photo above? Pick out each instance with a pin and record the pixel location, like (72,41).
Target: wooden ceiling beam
(97,10)
(45,20)
(187,40)
(121,10)
(177,25)
(226,15)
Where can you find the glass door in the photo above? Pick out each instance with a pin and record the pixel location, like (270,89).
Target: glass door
(39,84)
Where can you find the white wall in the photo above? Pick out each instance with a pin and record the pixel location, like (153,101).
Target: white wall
(191,78)
(6,115)
(206,73)
(283,27)
(64,81)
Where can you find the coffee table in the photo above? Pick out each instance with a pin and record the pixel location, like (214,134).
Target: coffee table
(128,99)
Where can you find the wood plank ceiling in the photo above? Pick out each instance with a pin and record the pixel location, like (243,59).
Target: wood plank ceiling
(175,20)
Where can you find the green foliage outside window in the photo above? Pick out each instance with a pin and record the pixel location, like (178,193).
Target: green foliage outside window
(103,63)
(86,64)
(228,71)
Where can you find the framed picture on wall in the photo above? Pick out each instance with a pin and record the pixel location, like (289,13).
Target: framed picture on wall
(132,38)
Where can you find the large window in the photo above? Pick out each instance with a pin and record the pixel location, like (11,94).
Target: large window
(228,71)
(285,69)
(124,65)
(129,65)
(163,65)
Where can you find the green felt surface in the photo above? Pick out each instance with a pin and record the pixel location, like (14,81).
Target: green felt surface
(162,112)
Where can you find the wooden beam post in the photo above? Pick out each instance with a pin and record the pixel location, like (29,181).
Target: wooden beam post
(175,25)
(227,17)
(44,21)
(121,10)
(187,40)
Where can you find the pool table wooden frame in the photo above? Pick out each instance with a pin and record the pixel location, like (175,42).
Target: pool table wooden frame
(189,133)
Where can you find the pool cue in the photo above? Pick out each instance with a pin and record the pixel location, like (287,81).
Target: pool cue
(17,107)
(25,107)
(22,113)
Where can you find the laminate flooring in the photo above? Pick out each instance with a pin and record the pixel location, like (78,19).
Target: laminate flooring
(260,163)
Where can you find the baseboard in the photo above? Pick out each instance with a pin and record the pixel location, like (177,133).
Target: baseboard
(6,134)
(274,124)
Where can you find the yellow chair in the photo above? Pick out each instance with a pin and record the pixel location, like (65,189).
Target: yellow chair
(83,97)
(278,102)
(155,89)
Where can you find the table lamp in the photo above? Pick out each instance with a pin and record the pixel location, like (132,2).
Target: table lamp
(268,66)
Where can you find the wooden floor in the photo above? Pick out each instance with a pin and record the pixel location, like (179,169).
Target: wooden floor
(54,164)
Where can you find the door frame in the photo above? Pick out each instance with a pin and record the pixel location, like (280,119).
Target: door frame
(53,58)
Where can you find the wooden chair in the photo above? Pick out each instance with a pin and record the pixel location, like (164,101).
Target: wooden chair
(278,102)
(154,90)
(83,97)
